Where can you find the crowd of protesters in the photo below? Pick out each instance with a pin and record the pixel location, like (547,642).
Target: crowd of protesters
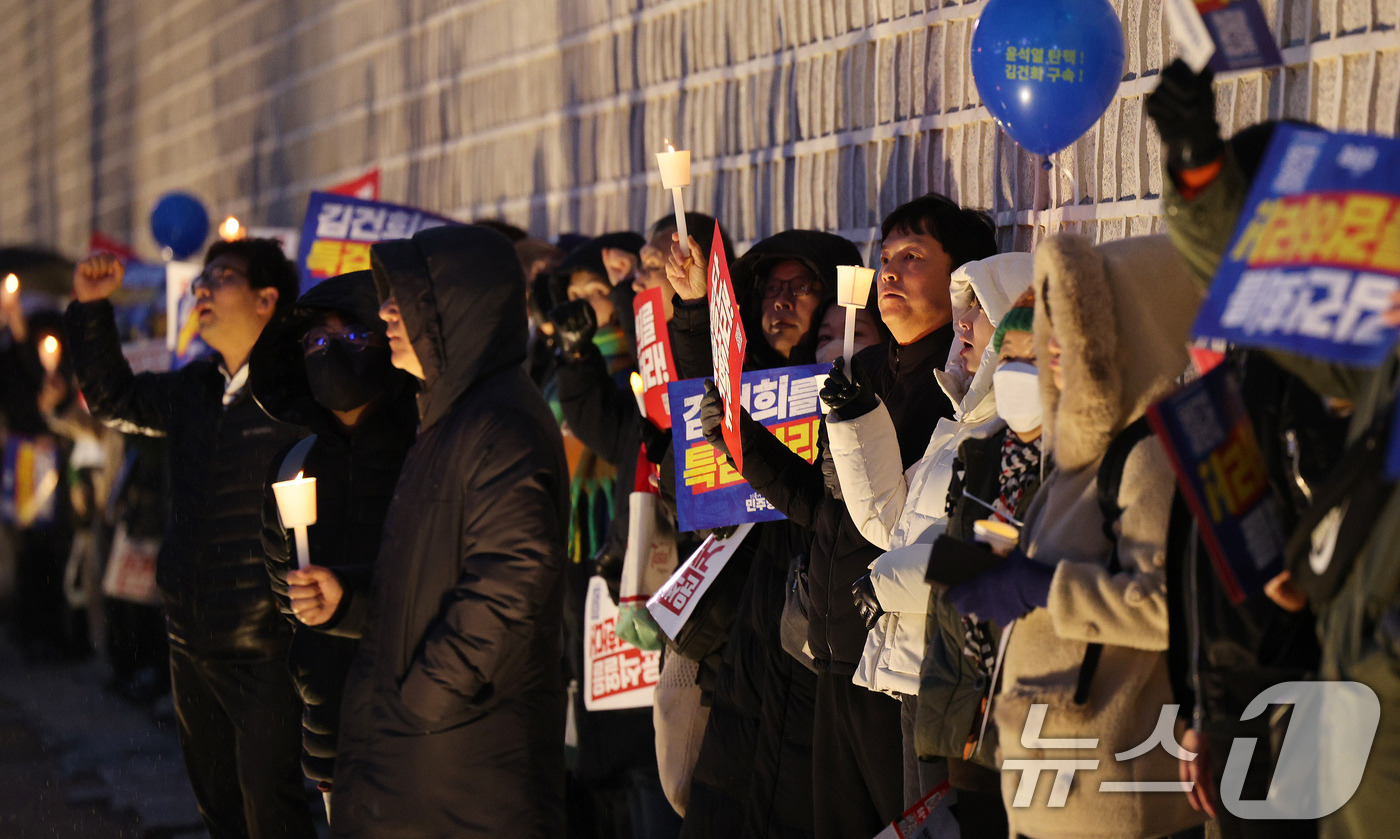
(465,408)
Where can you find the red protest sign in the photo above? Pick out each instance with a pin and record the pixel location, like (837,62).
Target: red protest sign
(654,361)
(365,186)
(727,343)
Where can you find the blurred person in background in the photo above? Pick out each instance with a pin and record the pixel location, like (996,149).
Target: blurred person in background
(325,367)
(237,710)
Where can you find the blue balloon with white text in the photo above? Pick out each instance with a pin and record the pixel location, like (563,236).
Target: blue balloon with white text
(180,222)
(1047,69)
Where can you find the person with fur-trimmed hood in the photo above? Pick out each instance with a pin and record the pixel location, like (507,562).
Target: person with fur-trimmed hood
(1087,585)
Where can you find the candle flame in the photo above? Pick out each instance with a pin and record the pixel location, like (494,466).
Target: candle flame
(11,283)
(229,230)
(50,343)
(637,384)
(299,474)
(670,149)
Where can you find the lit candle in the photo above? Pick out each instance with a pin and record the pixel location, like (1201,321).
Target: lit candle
(11,285)
(230,229)
(675,173)
(296,503)
(638,390)
(852,292)
(48,353)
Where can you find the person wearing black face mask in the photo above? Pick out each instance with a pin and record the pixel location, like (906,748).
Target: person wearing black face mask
(326,367)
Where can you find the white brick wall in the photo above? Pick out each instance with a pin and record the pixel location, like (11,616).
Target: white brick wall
(546,112)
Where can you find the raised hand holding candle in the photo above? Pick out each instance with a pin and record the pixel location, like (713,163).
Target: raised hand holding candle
(852,293)
(296,503)
(675,173)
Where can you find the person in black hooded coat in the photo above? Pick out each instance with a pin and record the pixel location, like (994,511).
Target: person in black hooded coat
(753,777)
(453,715)
(362,413)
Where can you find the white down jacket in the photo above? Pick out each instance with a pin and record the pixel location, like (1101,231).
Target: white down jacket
(902,510)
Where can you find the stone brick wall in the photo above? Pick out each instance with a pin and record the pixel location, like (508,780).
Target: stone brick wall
(546,112)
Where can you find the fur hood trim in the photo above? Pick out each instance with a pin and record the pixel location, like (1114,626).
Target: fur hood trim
(1122,312)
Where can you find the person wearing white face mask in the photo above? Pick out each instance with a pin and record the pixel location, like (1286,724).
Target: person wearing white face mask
(901,511)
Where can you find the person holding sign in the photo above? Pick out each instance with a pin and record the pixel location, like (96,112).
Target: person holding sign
(453,714)
(238,713)
(760,717)
(325,367)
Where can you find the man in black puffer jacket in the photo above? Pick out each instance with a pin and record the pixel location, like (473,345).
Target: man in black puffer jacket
(326,367)
(237,710)
(453,717)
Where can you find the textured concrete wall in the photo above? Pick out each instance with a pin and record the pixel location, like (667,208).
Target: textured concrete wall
(545,112)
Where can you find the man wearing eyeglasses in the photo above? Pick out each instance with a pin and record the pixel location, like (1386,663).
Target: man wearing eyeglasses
(237,711)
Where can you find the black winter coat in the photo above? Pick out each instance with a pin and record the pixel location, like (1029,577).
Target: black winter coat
(355,475)
(453,717)
(211,565)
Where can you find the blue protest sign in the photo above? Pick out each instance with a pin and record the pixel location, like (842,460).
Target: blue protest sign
(709,492)
(1316,254)
(338,230)
(1206,432)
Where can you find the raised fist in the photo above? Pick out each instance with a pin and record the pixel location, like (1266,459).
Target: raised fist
(686,273)
(97,278)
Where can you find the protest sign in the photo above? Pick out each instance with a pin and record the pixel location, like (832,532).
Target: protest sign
(616,675)
(365,186)
(673,603)
(338,230)
(1219,467)
(727,343)
(1226,34)
(710,492)
(28,488)
(1316,255)
(654,361)
(929,818)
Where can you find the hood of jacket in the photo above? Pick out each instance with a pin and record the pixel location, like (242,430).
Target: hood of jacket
(995,282)
(820,252)
(1122,313)
(276,368)
(461,293)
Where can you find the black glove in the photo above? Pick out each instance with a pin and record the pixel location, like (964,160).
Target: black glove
(712,417)
(1183,107)
(846,396)
(863,592)
(829,477)
(574,325)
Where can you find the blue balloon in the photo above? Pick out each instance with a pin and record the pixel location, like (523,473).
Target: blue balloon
(1047,69)
(179,222)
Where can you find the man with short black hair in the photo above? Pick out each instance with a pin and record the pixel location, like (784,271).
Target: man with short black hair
(237,711)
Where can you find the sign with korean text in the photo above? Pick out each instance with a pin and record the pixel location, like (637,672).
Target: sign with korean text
(30,480)
(338,230)
(654,361)
(616,675)
(1316,255)
(1226,34)
(710,492)
(929,818)
(727,344)
(365,186)
(674,602)
(1219,467)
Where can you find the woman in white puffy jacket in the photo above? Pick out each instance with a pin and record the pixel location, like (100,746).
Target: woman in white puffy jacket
(902,511)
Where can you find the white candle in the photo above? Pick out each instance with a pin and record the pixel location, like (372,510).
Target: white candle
(852,293)
(296,503)
(675,173)
(638,390)
(49,353)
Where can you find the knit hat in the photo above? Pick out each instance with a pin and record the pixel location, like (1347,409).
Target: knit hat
(1021,318)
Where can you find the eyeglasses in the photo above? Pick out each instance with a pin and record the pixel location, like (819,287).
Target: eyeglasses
(318,340)
(214,278)
(797,288)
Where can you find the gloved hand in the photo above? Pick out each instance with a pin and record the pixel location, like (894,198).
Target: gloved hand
(863,592)
(846,396)
(1183,107)
(636,626)
(1005,592)
(712,417)
(574,326)
(829,476)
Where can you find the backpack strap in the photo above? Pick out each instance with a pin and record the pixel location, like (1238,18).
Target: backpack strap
(295,461)
(1110,480)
